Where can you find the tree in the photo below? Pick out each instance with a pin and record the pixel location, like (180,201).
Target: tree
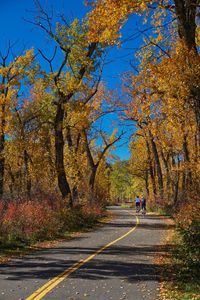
(95,159)
(185,13)
(121,181)
(77,65)
(12,75)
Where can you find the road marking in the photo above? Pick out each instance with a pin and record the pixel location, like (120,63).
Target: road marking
(46,288)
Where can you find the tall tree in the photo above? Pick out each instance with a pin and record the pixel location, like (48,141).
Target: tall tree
(12,74)
(78,63)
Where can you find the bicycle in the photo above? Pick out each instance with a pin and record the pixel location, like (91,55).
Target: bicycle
(144,211)
(137,209)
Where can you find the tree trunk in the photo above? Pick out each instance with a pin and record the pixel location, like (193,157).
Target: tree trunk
(92,182)
(176,188)
(2,164)
(92,177)
(176,184)
(151,172)
(59,154)
(12,183)
(48,146)
(147,181)
(188,175)
(158,166)
(186,16)
(2,147)
(186,12)
(73,144)
(27,174)
(197,115)
(168,177)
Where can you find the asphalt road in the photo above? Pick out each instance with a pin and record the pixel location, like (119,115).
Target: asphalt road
(115,261)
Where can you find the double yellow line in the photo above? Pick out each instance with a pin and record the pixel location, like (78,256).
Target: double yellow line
(46,288)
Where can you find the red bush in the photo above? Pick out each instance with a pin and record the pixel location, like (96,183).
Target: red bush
(28,221)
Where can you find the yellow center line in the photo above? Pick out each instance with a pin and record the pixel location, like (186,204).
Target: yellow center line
(46,288)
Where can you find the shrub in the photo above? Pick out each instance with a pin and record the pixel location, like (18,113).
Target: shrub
(33,220)
(29,220)
(188,225)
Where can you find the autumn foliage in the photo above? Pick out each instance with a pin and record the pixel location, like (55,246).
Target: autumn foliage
(51,136)
(29,221)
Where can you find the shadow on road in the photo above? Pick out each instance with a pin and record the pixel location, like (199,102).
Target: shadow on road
(131,263)
(112,264)
(158,226)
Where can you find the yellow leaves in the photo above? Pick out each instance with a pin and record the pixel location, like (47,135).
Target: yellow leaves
(4,71)
(68,83)
(72,84)
(159,38)
(106,19)
(162,100)
(198,35)
(25,59)
(2,99)
(15,71)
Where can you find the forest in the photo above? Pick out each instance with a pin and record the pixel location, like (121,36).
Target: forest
(57,168)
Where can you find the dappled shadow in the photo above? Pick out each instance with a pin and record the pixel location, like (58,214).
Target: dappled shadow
(143,224)
(112,263)
(102,270)
(156,226)
(132,263)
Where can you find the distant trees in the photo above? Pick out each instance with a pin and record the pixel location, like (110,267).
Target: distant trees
(121,182)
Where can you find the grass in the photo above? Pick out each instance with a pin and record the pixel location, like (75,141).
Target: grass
(178,290)
(179,280)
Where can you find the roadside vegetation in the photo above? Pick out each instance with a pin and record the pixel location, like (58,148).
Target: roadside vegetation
(181,280)
(26,223)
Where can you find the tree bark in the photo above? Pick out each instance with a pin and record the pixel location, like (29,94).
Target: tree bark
(158,166)
(2,163)
(188,175)
(2,147)
(186,16)
(168,179)
(186,12)
(59,154)
(196,101)
(151,169)
(176,182)
(27,174)
(147,181)
(93,177)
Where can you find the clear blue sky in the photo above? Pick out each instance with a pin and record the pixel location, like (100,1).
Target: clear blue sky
(15,29)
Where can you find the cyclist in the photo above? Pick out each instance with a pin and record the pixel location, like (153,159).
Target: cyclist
(143,204)
(137,203)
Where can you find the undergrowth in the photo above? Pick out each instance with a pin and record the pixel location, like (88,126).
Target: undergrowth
(25,223)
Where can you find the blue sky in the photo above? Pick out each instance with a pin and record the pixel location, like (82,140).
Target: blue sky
(25,35)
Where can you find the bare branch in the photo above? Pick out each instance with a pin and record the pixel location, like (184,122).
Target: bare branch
(49,60)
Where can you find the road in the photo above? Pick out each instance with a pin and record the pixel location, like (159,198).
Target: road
(115,261)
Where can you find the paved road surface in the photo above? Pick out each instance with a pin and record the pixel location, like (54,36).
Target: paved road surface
(123,270)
